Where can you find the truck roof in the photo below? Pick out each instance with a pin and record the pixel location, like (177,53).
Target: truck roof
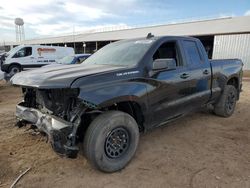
(152,37)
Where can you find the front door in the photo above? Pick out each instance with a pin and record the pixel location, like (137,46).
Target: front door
(24,57)
(168,90)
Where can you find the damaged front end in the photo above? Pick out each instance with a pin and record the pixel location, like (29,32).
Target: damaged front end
(56,112)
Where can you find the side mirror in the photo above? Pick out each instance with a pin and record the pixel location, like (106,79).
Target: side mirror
(167,64)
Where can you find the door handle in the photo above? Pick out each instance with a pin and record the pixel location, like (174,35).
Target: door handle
(206,72)
(184,76)
(31,57)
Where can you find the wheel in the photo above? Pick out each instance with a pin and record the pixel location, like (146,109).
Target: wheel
(226,105)
(13,69)
(111,141)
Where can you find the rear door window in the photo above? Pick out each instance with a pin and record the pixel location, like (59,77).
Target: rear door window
(192,52)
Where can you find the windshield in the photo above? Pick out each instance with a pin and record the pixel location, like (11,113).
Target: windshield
(13,50)
(123,53)
(66,60)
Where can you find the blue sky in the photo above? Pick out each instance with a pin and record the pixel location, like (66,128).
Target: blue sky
(57,17)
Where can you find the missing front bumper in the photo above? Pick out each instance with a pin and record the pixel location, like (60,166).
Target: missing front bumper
(58,130)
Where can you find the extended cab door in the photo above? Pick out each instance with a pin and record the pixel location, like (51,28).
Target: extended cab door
(198,73)
(168,90)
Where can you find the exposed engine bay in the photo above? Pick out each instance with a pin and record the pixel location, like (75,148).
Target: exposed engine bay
(57,112)
(58,102)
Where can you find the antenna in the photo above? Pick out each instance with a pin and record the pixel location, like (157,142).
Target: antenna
(149,36)
(19,29)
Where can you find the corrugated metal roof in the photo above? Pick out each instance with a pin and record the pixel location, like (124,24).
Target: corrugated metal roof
(197,28)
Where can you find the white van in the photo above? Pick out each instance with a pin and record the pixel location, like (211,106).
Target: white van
(32,56)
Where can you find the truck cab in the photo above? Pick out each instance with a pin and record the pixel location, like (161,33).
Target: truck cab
(187,82)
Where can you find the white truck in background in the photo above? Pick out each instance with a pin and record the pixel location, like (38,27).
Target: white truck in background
(32,56)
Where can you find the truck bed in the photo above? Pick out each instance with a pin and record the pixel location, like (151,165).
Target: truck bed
(223,70)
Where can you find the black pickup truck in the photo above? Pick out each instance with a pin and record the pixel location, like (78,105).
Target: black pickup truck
(125,88)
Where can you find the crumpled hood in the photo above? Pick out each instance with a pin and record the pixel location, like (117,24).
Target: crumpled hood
(59,76)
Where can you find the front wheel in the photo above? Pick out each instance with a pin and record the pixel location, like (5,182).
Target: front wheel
(14,69)
(111,141)
(226,105)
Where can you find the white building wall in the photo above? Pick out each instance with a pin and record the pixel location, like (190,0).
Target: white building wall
(233,46)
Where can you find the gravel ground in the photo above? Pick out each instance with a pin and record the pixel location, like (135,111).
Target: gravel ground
(199,150)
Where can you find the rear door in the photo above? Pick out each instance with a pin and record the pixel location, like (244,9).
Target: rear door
(198,73)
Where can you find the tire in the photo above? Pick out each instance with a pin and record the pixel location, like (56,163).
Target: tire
(13,69)
(103,148)
(227,102)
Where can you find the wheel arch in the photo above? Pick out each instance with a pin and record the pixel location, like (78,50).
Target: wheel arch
(131,107)
(14,64)
(234,81)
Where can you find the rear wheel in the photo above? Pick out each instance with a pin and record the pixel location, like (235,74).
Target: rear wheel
(13,69)
(226,105)
(111,141)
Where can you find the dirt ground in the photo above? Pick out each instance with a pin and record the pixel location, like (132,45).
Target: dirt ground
(200,150)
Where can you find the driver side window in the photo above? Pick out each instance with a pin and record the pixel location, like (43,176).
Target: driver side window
(168,50)
(24,52)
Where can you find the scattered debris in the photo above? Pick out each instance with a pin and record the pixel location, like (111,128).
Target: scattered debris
(19,124)
(3,185)
(218,177)
(194,174)
(19,177)
(143,168)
